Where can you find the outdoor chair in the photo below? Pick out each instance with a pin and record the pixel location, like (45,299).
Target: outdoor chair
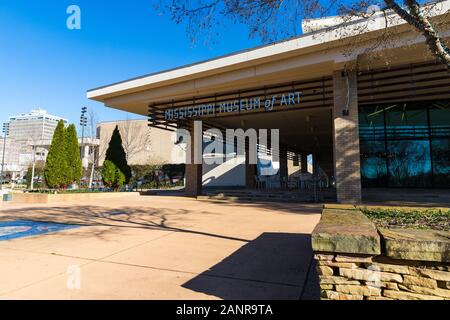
(260,182)
(273,182)
(293,183)
(284,182)
(306,181)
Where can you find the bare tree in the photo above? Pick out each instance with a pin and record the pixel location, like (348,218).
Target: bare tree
(134,141)
(97,153)
(34,142)
(418,18)
(275,19)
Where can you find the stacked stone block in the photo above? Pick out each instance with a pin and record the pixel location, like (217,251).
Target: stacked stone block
(359,277)
(357,261)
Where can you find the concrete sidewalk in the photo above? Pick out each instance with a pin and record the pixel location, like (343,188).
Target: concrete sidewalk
(150,247)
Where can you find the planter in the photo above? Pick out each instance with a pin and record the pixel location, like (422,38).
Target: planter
(356,263)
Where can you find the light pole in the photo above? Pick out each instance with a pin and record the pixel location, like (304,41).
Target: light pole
(33,170)
(5,133)
(83,123)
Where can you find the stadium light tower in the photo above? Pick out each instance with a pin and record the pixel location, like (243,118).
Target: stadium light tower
(83,124)
(5,134)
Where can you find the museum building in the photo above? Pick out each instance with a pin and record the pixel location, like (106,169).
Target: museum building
(369,113)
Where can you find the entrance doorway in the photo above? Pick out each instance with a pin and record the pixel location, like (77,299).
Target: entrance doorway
(305,169)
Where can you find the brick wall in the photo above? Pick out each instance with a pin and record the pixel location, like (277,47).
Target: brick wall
(346,138)
(194,172)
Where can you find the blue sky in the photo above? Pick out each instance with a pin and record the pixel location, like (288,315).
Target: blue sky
(43,64)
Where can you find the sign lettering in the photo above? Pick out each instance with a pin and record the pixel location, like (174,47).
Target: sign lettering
(211,109)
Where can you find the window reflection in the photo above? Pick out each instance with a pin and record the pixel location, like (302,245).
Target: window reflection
(373,164)
(405,144)
(441,162)
(409,163)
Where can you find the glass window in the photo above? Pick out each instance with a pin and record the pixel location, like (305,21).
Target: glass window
(440,149)
(371,123)
(409,163)
(373,164)
(440,119)
(406,121)
(405,144)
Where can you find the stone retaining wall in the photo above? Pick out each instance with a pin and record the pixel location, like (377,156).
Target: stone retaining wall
(353,277)
(354,263)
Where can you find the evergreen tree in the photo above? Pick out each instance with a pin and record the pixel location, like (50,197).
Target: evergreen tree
(73,158)
(116,154)
(55,171)
(112,176)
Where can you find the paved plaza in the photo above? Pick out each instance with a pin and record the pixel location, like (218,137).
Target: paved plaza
(159,247)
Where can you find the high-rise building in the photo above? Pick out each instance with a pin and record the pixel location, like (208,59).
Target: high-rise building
(28,128)
(11,156)
(25,131)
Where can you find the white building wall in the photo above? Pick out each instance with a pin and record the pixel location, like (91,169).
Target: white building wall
(146,145)
(230,173)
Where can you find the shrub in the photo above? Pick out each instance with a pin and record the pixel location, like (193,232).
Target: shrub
(38,175)
(112,176)
(172,170)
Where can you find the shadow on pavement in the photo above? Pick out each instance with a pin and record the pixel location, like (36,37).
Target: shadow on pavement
(274,266)
(163,219)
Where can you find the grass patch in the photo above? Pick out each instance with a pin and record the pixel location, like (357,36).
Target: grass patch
(415,218)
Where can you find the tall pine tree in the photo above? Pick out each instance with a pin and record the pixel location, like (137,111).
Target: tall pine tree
(74,165)
(116,154)
(55,171)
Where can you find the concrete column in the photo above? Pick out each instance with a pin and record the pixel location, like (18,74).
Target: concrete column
(250,172)
(314,163)
(304,162)
(194,174)
(346,138)
(283,162)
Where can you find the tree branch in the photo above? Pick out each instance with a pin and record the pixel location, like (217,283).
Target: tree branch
(420,22)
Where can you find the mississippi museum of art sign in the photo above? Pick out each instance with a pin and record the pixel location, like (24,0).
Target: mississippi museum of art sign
(240,105)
